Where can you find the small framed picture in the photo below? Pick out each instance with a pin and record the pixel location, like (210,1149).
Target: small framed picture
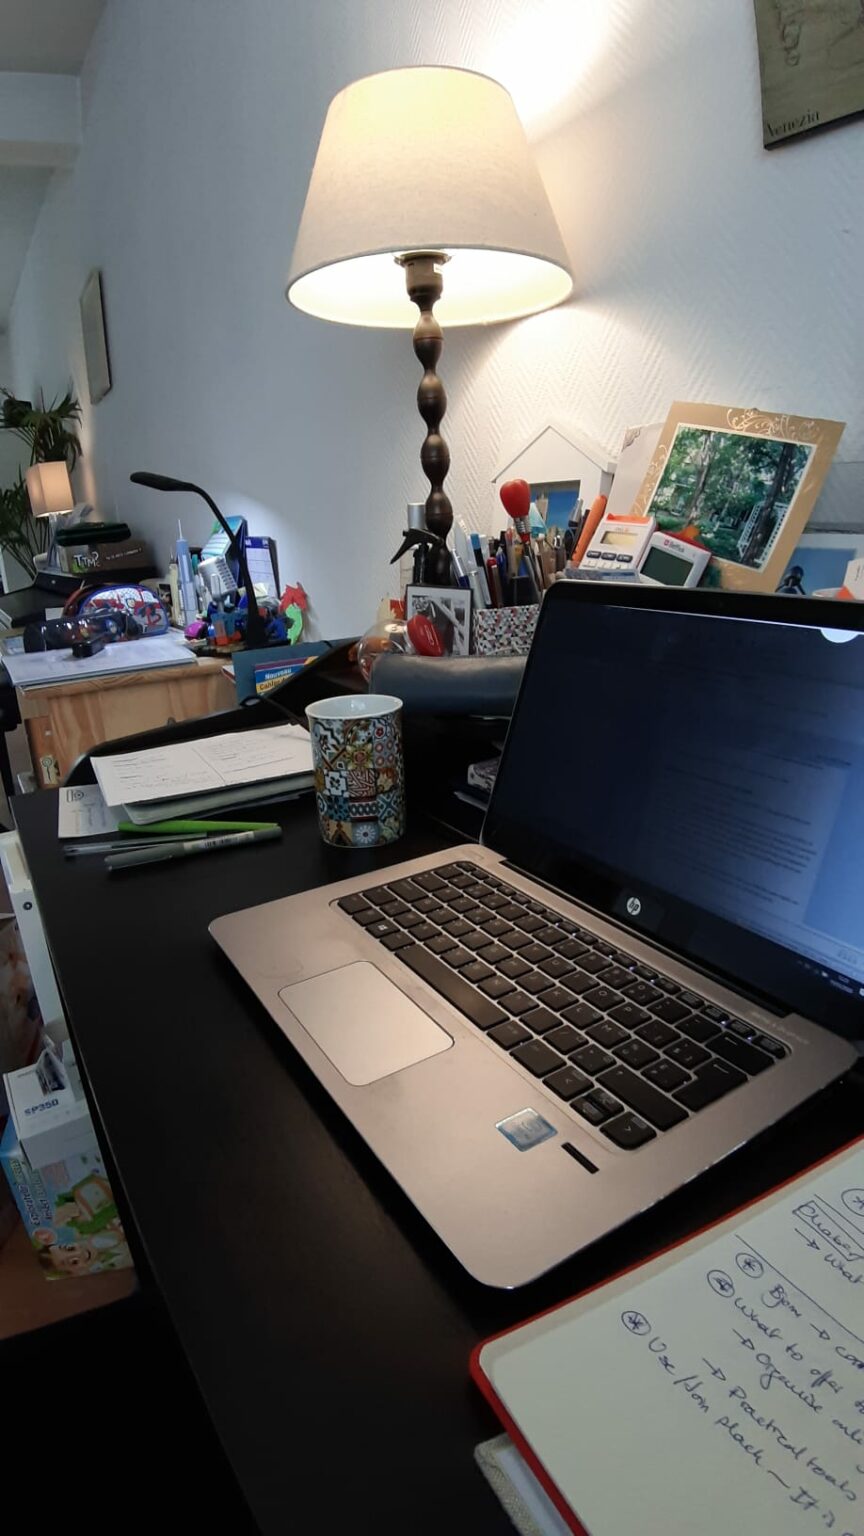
(449,609)
(95,341)
(818,563)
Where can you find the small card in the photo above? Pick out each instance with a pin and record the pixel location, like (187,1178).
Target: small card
(83,812)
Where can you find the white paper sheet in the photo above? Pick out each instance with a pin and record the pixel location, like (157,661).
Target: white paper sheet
(724,1391)
(189,768)
(40,668)
(82,812)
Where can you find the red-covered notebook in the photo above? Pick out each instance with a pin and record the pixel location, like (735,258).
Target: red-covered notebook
(717,1386)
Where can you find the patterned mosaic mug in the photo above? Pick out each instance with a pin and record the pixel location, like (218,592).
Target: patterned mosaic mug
(359,772)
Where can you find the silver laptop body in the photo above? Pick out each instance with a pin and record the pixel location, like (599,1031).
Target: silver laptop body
(510,1174)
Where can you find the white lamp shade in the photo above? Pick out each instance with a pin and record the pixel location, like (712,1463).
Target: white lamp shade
(426,159)
(49,489)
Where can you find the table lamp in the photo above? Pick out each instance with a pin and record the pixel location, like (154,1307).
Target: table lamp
(50,491)
(425,167)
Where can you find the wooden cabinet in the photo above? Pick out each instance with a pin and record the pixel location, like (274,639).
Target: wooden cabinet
(63,721)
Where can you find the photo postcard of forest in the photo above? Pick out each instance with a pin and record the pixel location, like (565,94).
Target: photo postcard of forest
(729,492)
(742,483)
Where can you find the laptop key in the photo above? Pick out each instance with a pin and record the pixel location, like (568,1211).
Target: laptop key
(670,1010)
(462,904)
(740,1054)
(551,936)
(476,971)
(406,890)
(639,1095)
(366,916)
(670,987)
(438,945)
(429,881)
(698,1028)
(457,957)
(493,954)
(773,1047)
(556,998)
(514,938)
(687,1054)
(493,925)
(642,992)
(476,940)
(603,997)
(497,986)
(581,1014)
(657,1034)
(394,909)
(427,904)
(565,1039)
(456,927)
(352,904)
(512,912)
(629,1014)
(480,1010)
(567,1082)
(496,900)
(597,1106)
(616,976)
(423,931)
(636,1053)
(537,1057)
(629,1132)
(534,952)
(556,967)
(378,894)
(450,871)
(508,1034)
(529,922)
(710,1083)
(715,1014)
(593,963)
(571,949)
(742,1029)
(665,1075)
(514,967)
(397,940)
(592,1060)
(410,918)
(518,1003)
(540,1020)
(441,915)
(536,983)
(692,999)
(607,1033)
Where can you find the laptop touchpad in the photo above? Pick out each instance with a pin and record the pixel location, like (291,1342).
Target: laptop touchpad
(364,1023)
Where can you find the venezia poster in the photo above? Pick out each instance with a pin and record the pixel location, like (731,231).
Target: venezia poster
(811,62)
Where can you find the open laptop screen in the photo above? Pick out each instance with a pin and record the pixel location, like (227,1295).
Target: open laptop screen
(693,765)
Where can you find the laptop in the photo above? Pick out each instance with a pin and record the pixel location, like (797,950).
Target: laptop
(655,952)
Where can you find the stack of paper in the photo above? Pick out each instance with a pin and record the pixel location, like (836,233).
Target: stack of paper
(161,783)
(39,669)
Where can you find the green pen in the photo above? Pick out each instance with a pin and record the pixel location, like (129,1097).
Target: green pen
(194,828)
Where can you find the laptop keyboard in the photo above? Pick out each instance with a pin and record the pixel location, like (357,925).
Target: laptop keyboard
(631,1051)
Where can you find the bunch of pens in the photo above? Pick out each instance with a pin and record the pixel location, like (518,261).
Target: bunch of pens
(504,572)
(163,840)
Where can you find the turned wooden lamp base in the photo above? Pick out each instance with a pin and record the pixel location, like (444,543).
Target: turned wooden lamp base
(424,283)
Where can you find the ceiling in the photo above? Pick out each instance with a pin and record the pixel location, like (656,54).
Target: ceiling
(46,36)
(36,37)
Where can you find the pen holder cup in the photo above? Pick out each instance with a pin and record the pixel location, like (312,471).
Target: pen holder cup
(504,631)
(359,770)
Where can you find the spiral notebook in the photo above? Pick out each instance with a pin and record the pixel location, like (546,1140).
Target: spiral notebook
(719,1386)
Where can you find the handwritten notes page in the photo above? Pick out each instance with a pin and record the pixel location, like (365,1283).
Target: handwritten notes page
(214,763)
(721,1387)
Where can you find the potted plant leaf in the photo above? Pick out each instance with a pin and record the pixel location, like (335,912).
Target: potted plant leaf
(50,435)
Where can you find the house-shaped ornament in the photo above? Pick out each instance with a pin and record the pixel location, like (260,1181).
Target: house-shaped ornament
(560,467)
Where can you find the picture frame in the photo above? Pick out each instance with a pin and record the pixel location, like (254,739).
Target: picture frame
(95,339)
(741,482)
(817,565)
(449,609)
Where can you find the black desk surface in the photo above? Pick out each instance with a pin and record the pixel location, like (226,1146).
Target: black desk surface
(328,1327)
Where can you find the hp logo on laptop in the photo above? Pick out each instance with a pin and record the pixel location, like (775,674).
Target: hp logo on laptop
(634,906)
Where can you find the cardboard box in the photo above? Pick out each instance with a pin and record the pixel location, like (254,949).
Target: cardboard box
(68,1210)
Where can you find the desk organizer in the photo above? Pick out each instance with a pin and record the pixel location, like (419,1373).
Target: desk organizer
(504,631)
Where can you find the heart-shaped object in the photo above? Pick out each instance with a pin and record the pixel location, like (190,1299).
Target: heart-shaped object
(516,497)
(425,638)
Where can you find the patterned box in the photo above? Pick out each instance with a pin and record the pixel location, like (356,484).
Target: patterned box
(504,631)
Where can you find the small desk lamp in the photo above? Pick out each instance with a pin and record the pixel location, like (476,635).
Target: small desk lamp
(50,491)
(256,626)
(424,167)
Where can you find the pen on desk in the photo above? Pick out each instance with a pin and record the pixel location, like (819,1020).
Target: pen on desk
(192,828)
(138,856)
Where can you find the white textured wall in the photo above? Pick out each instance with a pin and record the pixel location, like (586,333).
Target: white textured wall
(705,267)
(5,362)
